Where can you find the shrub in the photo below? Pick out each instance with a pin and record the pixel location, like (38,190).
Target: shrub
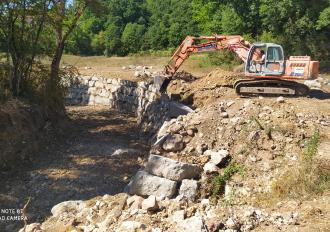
(223,59)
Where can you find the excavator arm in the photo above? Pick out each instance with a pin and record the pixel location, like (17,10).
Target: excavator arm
(211,43)
(274,77)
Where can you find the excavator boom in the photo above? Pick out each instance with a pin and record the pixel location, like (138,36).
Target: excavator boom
(191,44)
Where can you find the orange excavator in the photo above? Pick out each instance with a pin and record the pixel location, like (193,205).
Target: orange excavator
(266,70)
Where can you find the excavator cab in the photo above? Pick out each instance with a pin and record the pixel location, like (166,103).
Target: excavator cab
(272,65)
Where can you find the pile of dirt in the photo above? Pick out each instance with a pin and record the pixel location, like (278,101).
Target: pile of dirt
(218,77)
(198,92)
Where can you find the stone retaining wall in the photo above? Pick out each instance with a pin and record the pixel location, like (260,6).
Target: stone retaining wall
(141,98)
(126,96)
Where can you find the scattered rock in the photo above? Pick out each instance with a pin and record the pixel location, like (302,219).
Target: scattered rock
(188,189)
(193,224)
(131,226)
(231,223)
(173,143)
(201,148)
(135,202)
(210,168)
(34,227)
(178,216)
(150,204)
(217,157)
(224,115)
(313,84)
(323,155)
(280,99)
(121,152)
(176,109)
(176,128)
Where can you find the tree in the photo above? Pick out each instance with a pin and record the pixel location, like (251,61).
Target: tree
(324,19)
(21,25)
(132,37)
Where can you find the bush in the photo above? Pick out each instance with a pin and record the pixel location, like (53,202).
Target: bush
(223,59)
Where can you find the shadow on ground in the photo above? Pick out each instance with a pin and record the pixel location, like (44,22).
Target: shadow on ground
(77,168)
(319,94)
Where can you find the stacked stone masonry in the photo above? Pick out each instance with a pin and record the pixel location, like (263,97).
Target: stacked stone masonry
(124,95)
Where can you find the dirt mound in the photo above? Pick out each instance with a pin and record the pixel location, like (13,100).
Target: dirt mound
(198,92)
(217,77)
(183,75)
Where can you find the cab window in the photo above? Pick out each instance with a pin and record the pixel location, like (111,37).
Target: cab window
(274,54)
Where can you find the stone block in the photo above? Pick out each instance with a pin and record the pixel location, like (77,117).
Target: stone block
(171,169)
(144,184)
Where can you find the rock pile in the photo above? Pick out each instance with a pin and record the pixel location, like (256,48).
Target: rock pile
(140,71)
(162,176)
(124,213)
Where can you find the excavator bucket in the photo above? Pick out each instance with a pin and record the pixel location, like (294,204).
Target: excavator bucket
(161,82)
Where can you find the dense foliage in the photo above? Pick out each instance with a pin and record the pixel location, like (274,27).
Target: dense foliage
(29,31)
(130,26)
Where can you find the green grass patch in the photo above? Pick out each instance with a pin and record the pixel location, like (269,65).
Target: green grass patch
(219,182)
(312,146)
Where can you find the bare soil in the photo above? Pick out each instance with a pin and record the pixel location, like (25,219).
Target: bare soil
(76,167)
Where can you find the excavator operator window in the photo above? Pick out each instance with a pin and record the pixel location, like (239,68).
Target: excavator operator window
(274,54)
(274,61)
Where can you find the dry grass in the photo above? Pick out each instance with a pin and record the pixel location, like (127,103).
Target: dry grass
(112,66)
(304,181)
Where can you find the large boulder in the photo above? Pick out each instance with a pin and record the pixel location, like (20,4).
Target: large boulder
(68,206)
(171,169)
(144,184)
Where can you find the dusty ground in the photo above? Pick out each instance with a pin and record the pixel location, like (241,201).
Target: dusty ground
(79,166)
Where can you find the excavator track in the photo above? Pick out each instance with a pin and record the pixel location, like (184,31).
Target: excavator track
(270,87)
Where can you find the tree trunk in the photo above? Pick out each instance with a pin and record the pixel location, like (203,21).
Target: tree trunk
(55,66)
(54,92)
